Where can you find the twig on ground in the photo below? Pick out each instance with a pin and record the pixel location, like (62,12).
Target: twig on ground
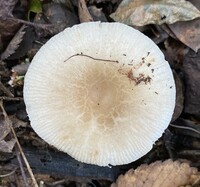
(25,160)
(21,167)
(56,183)
(11,98)
(9,123)
(36,25)
(184,127)
(8,174)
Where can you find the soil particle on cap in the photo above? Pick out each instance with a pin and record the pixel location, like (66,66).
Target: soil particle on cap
(149,64)
(139,79)
(142,78)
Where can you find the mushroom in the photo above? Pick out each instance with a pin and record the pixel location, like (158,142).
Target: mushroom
(101,92)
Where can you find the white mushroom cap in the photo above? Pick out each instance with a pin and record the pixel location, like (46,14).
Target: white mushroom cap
(101,92)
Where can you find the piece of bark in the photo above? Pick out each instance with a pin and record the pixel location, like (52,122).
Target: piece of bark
(60,164)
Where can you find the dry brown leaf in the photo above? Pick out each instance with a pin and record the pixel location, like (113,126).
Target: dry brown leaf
(7,8)
(8,25)
(188,32)
(4,126)
(59,16)
(7,146)
(159,174)
(97,14)
(83,13)
(191,69)
(16,123)
(143,12)
(14,43)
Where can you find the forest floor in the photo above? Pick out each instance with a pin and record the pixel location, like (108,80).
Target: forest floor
(26,25)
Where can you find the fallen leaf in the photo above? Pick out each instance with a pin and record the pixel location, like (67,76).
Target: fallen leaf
(34,6)
(4,129)
(143,12)
(14,43)
(188,32)
(157,174)
(83,13)
(68,4)
(175,52)
(4,125)
(20,69)
(102,1)
(7,7)
(97,14)
(59,16)
(8,25)
(25,45)
(16,123)
(7,146)
(191,69)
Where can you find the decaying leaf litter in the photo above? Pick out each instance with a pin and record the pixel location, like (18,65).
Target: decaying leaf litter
(26,25)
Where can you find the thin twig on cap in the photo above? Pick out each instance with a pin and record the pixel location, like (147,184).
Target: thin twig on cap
(100,59)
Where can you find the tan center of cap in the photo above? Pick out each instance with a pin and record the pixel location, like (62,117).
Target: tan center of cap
(106,92)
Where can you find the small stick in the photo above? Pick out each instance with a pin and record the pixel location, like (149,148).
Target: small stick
(25,159)
(8,174)
(11,98)
(18,144)
(36,25)
(21,168)
(186,128)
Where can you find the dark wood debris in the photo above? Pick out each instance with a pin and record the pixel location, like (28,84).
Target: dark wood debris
(21,38)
